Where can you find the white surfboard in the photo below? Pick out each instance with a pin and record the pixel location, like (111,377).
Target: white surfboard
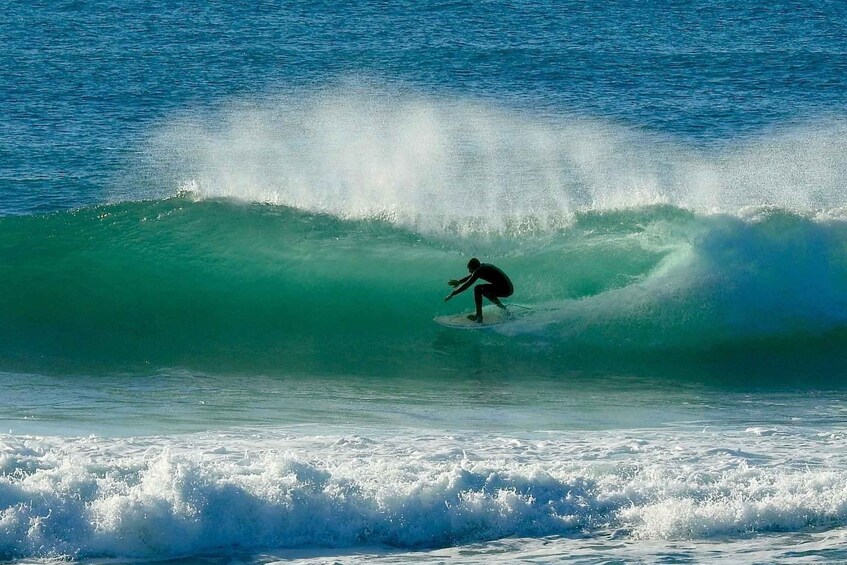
(491,316)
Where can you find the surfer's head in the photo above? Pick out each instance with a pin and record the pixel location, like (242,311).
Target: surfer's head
(473,264)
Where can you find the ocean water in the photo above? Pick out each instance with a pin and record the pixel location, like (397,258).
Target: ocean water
(225,231)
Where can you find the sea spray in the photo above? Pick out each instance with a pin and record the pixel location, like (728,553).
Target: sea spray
(436,162)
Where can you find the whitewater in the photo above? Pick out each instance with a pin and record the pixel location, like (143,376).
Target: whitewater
(259,494)
(225,232)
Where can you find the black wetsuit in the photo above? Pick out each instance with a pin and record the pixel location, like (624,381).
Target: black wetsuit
(499,286)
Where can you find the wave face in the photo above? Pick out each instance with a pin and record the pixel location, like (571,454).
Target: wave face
(217,284)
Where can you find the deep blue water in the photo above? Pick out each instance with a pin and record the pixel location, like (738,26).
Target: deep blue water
(83,81)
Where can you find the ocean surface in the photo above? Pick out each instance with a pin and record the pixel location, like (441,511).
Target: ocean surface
(226,228)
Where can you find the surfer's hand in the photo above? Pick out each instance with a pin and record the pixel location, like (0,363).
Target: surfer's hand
(448,297)
(453,282)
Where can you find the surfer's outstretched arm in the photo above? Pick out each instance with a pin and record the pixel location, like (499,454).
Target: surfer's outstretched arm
(457,282)
(465,283)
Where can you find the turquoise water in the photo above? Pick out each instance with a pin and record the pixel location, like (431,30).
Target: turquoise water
(219,285)
(225,233)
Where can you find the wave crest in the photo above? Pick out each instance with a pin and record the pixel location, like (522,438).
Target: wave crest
(432,162)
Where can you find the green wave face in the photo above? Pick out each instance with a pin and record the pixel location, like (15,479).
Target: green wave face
(221,286)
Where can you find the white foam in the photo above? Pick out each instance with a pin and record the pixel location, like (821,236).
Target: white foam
(162,498)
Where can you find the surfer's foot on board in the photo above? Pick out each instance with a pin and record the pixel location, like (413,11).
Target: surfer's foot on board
(475,318)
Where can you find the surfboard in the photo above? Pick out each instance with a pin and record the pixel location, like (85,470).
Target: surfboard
(491,316)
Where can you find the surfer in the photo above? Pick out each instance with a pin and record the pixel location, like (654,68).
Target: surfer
(499,286)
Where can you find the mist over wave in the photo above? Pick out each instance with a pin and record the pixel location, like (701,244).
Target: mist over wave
(437,162)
